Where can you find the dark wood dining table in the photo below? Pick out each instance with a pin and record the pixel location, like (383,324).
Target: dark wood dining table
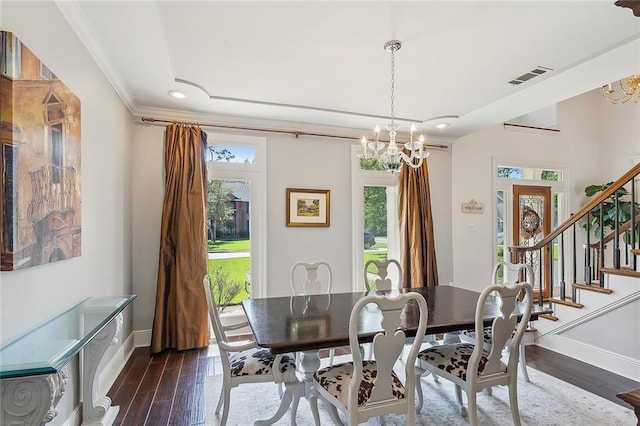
(307,324)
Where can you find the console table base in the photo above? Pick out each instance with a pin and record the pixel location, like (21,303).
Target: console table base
(108,419)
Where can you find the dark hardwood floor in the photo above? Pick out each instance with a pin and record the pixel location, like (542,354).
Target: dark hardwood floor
(168,389)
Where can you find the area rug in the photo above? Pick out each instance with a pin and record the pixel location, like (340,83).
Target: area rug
(545,401)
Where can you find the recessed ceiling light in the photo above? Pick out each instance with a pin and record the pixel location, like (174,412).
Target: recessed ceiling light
(442,125)
(177,94)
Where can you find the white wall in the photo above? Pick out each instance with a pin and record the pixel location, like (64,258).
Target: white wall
(33,296)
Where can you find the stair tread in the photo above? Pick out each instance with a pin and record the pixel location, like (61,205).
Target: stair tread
(592,287)
(548,317)
(566,303)
(621,271)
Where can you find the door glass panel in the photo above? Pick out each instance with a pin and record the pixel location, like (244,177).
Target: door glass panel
(500,228)
(229,240)
(376,229)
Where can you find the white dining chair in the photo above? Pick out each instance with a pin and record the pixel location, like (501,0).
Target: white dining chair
(470,366)
(377,275)
(312,278)
(247,363)
(362,389)
(385,275)
(511,274)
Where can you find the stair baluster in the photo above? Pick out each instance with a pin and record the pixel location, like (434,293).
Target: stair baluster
(575,262)
(563,290)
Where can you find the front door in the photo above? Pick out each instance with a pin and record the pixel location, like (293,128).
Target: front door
(531,223)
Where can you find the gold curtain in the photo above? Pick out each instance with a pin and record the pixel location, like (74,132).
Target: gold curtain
(181,316)
(418,256)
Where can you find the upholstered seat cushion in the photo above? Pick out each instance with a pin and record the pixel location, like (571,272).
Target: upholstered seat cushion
(258,361)
(336,378)
(486,334)
(453,359)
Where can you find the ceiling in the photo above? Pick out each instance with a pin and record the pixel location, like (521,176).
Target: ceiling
(312,63)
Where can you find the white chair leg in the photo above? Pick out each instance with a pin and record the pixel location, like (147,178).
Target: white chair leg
(523,362)
(463,411)
(332,353)
(435,377)
(419,392)
(333,413)
(513,401)
(219,406)
(225,409)
(473,408)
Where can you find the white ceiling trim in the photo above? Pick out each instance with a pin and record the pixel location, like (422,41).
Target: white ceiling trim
(79,23)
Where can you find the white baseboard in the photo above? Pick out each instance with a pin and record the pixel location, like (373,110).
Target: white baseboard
(142,338)
(601,358)
(76,417)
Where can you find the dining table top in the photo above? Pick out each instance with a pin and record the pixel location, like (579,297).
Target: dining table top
(304,323)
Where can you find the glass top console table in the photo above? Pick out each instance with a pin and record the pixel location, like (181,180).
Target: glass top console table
(34,368)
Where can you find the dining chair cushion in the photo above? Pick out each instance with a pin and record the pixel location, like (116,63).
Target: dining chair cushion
(486,334)
(335,379)
(454,359)
(258,361)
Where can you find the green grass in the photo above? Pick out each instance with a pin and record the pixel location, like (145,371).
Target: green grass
(375,255)
(229,246)
(237,268)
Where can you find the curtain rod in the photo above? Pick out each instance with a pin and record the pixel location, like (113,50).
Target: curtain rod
(295,133)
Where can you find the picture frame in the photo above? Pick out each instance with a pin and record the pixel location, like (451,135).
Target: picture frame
(308,207)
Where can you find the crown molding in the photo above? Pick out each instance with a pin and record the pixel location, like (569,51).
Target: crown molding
(78,22)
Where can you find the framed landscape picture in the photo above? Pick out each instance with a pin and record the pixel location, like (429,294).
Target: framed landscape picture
(307,207)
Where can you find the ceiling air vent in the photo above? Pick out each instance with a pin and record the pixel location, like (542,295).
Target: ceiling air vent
(538,71)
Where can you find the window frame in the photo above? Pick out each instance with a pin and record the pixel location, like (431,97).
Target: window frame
(359,179)
(256,174)
(558,188)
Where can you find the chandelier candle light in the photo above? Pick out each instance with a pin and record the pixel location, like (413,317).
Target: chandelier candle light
(393,158)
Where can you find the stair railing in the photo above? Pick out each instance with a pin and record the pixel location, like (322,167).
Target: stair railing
(594,253)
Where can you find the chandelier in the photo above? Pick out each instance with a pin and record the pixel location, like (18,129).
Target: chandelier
(393,157)
(630,88)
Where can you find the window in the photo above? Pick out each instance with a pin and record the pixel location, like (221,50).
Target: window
(375,220)
(529,173)
(236,207)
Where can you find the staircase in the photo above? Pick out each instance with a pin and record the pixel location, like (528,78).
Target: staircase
(592,285)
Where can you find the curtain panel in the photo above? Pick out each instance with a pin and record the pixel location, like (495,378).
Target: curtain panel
(181,316)
(417,246)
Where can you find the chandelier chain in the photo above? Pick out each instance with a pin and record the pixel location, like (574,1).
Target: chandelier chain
(393,78)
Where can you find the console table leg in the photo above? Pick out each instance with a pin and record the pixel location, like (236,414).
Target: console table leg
(32,400)
(97,410)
